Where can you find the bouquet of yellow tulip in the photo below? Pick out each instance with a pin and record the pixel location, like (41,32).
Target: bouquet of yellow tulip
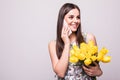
(88,53)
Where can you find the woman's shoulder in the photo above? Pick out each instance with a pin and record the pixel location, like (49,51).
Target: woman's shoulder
(52,43)
(89,36)
(52,47)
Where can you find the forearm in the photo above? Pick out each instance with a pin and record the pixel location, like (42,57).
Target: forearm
(61,66)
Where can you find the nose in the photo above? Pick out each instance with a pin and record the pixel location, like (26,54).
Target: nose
(76,20)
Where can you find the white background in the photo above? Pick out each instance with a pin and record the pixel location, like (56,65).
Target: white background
(26,27)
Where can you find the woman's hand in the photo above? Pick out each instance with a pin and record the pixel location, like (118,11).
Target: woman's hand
(65,35)
(93,70)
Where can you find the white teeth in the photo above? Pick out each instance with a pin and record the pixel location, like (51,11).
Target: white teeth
(74,25)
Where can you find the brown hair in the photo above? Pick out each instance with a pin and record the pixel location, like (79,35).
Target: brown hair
(59,42)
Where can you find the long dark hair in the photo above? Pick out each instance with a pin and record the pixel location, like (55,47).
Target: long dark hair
(59,42)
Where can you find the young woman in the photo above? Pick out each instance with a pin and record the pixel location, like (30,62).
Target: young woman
(69,32)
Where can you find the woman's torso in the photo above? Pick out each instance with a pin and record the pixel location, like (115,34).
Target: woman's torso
(75,71)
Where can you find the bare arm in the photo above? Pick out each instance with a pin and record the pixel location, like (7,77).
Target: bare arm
(91,37)
(93,70)
(59,65)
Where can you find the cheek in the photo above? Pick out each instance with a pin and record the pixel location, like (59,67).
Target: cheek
(79,21)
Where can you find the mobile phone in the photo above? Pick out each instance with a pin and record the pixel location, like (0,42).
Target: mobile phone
(66,25)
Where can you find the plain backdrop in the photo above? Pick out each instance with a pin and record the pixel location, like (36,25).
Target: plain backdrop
(27,26)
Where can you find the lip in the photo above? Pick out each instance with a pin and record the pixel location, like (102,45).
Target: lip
(74,26)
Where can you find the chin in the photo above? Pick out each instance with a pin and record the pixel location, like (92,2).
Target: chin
(74,30)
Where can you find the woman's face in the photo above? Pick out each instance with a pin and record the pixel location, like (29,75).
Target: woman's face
(73,19)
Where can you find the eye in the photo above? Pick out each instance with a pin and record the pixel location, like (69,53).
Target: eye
(78,17)
(71,17)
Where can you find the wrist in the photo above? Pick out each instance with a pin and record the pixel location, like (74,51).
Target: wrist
(67,45)
(100,73)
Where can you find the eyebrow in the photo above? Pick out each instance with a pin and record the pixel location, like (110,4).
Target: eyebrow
(72,15)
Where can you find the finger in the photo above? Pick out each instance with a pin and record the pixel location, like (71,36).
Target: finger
(90,74)
(95,63)
(62,30)
(66,30)
(86,69)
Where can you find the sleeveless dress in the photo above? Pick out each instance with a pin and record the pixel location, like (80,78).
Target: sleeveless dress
(75,71)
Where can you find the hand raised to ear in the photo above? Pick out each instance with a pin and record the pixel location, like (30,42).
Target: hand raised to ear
(65,24)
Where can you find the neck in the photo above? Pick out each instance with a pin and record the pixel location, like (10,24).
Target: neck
(72,37)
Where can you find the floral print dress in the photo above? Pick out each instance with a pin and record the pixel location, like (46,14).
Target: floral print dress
(76,72)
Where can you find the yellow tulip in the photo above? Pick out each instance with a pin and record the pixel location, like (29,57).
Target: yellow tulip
(100,57)
(87,61)
(75,47)
(81,56)
(88,53)
(83,44)
(104,51)
(83,51)
(95,49)
(106,59)
(91,43)
(72,52)
(73,59)
(93,58)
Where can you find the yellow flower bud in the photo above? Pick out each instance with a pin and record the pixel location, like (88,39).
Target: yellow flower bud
(93,58)
(99,57)
(87,61)
(91,43)
(106,59)
(104,51)
(81,56)
(88,53)
(72,52)
(95,49)
(76,48)
(74,59)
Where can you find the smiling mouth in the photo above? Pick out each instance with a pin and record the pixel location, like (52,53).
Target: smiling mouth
(74,25)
